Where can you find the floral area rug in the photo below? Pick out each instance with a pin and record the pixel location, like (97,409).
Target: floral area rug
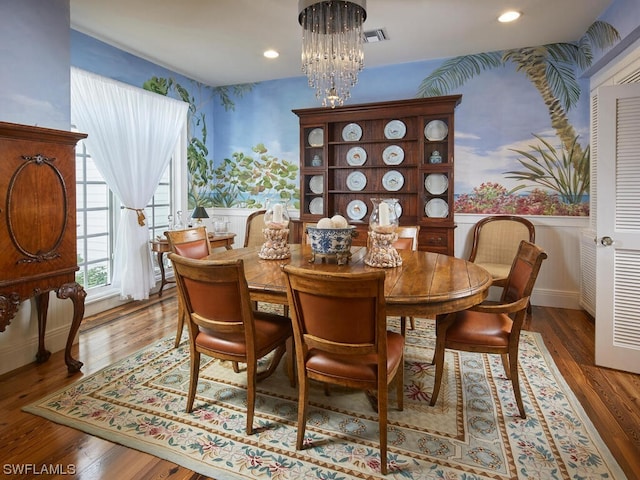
(473,432)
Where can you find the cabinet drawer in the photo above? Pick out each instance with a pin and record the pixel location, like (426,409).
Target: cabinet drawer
(438,240)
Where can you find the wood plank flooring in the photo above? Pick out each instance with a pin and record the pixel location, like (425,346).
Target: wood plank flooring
(610,398)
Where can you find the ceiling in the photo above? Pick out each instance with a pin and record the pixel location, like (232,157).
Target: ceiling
(220,42)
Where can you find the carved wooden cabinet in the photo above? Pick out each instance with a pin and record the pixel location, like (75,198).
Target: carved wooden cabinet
(400,149)
(38,228)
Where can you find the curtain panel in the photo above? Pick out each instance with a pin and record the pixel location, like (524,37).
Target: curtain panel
(132,134)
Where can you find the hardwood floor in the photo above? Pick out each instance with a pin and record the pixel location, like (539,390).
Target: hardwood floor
(610,398)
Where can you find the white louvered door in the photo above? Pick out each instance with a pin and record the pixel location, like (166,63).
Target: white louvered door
(618,228)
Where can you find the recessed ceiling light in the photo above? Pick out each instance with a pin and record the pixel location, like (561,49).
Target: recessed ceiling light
(509,16)
(271,54)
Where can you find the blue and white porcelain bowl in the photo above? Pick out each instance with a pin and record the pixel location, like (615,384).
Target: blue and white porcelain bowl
(328,241)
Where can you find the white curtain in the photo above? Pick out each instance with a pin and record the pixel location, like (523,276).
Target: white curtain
(131,137)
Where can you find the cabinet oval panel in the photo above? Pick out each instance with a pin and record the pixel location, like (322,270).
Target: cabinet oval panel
(37,208)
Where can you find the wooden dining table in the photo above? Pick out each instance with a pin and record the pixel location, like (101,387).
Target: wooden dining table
(425,285)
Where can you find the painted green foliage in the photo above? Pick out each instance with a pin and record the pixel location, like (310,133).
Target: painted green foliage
(240,181)
(552,70)
(244,180)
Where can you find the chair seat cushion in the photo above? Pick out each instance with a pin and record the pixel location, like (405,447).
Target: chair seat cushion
(480,329)
(360,368)
(271,331)
(497,270)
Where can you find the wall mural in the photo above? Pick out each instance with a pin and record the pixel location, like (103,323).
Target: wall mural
(521,130)
(564,172)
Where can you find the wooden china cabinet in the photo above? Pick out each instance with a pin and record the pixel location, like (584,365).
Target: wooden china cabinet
(38,228)
(399,149)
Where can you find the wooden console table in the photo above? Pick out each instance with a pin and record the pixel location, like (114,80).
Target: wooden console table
(161,246)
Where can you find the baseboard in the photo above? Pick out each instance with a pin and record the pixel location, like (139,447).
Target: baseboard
(556,299)
(17,354)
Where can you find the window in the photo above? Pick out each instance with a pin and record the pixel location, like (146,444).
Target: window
(98,214)
(96,223)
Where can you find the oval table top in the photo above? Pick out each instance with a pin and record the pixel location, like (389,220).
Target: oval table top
(426,284)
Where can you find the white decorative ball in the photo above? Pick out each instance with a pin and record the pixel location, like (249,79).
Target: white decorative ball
(325,223)
(339,221)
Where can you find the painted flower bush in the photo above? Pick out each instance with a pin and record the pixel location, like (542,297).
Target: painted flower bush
(493,198)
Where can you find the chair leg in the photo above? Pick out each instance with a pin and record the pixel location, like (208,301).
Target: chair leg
(193,379)
(291,361)
(400,385)
(252,368)
(413,323)
(303,394)
(505,365)
(383,399)
(515,381)
(181,315)
(403,326)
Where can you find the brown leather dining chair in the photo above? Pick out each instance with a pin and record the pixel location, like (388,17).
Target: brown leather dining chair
(223,325)
(341,338)
(493,328)
(407,240)
(190,243)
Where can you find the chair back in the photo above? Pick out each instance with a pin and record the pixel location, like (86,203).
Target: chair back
(190,243)
(524,272)
(215,296)
(336,312)
(253,236)
(496,238)
(407,238)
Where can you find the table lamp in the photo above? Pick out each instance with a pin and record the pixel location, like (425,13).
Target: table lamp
(199,213)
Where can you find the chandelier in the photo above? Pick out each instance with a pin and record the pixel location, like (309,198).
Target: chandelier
(332,41)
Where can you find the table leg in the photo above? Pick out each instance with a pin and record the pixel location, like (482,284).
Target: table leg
(163,278)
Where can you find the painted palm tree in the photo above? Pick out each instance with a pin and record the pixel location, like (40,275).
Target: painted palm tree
(551,68)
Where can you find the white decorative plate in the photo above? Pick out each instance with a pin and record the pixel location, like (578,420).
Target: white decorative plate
(352,133)
(436,208)
(316,137)
(356,156)
(356,209)
(436,130)
(393,155)
(395,129)
(392,181)
(356,181)
(436,183)
(316,207)
(316,184)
